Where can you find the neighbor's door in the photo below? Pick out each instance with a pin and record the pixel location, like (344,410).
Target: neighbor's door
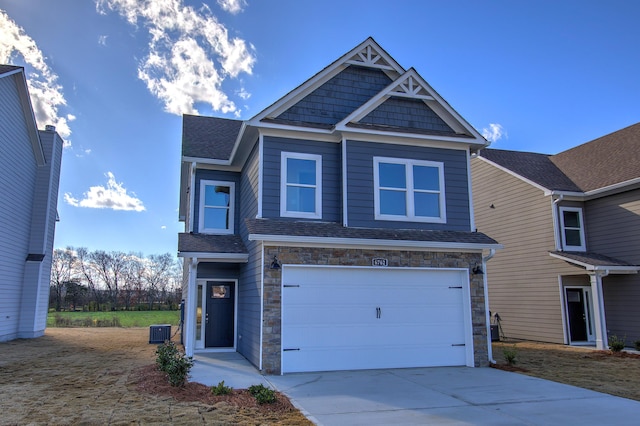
(220,315)
(577,314)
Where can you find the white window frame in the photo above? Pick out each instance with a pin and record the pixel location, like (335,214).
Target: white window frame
(284,156)
(232,202)
(410,191)
(583,237)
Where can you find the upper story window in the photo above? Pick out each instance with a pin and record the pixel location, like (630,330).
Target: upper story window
(216,207)
(572,227)
(301,185)
(409,190)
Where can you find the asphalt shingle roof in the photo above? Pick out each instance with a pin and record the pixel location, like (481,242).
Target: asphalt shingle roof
(209,137)
(537,168)
(336,230)
(206,243)
(591,258)
(605,161)
(7,68)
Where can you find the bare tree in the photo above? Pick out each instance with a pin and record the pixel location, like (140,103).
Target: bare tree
(110,268)
(156,272)
(63,269)
(88,272)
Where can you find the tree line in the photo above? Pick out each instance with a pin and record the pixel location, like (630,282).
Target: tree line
(103,281)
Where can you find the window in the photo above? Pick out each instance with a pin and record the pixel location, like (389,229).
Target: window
(216,207)
(301,185)
(572,229)
(409,190)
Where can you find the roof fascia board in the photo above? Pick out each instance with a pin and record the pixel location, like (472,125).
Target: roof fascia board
(238,140)
(29,116)
(407,139)
(215,257)
(546,191)
(590,267)
(360,242)
(327,73)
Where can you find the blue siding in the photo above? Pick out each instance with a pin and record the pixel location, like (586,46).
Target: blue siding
(360,188)
(407,114)
(338,97)
(203,174)
(215,270)
(250,273)
(331,172)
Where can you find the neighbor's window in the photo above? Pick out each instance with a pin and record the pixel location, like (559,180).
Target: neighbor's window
(572,229)
(301,185)
(409,190)
(216,207)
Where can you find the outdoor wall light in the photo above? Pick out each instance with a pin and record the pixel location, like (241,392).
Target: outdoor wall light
(275,264)
(477,270)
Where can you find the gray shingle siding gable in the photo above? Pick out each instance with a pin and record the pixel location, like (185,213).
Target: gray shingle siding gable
(338,97)
(331,172)
(406,114)
(202,174)
(360,188)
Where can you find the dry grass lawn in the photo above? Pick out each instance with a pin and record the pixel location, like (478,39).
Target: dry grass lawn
(95,376)
(602,371)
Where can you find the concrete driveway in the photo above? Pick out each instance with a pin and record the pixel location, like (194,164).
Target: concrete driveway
(451,396)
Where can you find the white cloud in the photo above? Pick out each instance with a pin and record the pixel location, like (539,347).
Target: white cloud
(46,93)
(163,227)
(190,53)
(243,93)
(494,133)
(102,40)
(114,196)
(232,6)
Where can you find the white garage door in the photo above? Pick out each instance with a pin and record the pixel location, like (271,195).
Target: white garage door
(349,318)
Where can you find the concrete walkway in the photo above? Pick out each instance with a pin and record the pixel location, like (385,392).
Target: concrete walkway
(432,396)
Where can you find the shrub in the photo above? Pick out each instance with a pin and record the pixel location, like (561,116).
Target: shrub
(616,344)
(221,389)
(262,394)
(170,360)
(510,353)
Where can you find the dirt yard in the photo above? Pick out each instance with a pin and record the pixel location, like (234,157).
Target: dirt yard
(603,371)
(102,376)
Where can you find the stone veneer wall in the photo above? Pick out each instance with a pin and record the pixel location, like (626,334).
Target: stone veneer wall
(271,343)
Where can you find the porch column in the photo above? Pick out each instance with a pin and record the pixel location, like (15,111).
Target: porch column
(602,340)
(190,314)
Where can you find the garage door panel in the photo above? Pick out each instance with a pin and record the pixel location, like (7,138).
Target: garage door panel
(353,318)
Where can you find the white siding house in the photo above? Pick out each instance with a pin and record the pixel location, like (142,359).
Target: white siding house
(29,177)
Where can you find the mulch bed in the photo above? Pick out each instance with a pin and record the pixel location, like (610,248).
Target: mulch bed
(150,380)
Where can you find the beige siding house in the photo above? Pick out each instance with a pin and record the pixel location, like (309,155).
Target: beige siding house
(570,226)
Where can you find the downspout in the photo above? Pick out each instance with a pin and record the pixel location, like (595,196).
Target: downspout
(485,259)
(556,225)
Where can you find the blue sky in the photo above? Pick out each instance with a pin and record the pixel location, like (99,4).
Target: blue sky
(116,75)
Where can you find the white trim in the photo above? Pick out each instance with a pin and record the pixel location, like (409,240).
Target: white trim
(298,133)
(284,156)
(345,213)
(588,310)
(409,190)
(192,195)
(216,257)
(203,160)
(563,229)
(261,303)
(190,314)
(230,210)
(260,172)
(472,219)
(304,241)
(565,330)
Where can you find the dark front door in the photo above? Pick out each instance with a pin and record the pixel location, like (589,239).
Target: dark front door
(220,318)
(577,315)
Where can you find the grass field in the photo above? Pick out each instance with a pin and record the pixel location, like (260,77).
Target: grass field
(116,318)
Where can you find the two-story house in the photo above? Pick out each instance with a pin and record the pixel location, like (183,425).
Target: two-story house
(570,225)
(335,230)
(29,177)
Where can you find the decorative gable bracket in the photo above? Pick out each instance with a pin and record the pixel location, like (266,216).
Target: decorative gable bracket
(411,88)
(369,57)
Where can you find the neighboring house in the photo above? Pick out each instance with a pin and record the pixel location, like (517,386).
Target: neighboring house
(570,226)
(29,177)
(334,230)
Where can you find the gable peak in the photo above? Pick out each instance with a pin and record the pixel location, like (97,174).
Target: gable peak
(372,56)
